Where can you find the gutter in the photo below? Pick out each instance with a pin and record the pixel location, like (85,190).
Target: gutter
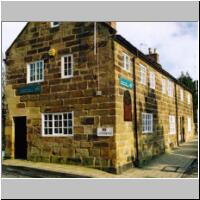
(176,103)
(136,161)
(121,40)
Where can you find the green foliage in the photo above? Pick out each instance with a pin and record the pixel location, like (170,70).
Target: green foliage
(191,84)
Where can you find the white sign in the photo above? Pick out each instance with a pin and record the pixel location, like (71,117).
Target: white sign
(104,131)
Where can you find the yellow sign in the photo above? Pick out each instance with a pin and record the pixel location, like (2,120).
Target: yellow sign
(52,52)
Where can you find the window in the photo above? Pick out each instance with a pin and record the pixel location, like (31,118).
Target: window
(127,106)
(67,66)
(126,62)
(189,125)
(188,99)
(147,122)
(57,124)
(163,86)
(181,95)
(55,24)
(35,72)
(170,88)
(172,125)
(152,80)
(143,74)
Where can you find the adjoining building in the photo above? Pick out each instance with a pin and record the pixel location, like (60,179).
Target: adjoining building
(79,93)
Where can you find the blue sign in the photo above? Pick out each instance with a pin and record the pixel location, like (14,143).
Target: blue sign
(29,89)
(125,82)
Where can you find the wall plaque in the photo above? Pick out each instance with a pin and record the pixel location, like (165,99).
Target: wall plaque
(105,132)
(29,89)
(125,83)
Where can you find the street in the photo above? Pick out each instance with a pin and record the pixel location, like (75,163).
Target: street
(182,162)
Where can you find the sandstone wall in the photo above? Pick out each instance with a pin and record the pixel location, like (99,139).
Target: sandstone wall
(76,94)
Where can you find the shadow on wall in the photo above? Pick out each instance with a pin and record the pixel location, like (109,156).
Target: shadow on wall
(153,143)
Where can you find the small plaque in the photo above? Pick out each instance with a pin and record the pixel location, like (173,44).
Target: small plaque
(87,121)
(105,132)
(29,89)
(125,83)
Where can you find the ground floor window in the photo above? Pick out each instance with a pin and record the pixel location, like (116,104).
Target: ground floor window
(189,124)
(172,124)
(57,124)
(147,122)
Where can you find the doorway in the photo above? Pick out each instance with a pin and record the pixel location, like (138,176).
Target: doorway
(20,138)
(182,130)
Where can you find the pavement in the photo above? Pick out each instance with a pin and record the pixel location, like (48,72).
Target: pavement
(177,164)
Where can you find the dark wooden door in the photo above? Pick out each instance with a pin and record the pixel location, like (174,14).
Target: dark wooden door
(182,130)
(20,138)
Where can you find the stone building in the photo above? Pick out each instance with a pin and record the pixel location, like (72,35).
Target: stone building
(78,93)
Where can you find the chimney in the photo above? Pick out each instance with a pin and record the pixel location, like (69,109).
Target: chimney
(113,25)
(153,55)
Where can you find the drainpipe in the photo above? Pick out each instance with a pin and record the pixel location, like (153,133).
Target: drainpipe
(135,114)
(176,103)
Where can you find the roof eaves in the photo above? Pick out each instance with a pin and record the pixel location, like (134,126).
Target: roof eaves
(16,38)
(141,55)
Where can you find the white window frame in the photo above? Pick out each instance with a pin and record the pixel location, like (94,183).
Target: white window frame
(53,25)
(29,74)
(152,80)
(170,88)
(147,122)
(63,66)
(189,99)
(143,74)
(163,85)
(189,124)
(182,95)
(172,125)
(53,125)
(126,62)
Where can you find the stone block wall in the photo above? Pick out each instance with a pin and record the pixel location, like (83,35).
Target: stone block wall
(150,101)
(77,94)
(124,129)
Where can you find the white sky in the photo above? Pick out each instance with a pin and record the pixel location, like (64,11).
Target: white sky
(176,42)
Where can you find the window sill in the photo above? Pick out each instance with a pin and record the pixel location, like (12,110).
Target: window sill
(66,77)
(35,82)
(58,135)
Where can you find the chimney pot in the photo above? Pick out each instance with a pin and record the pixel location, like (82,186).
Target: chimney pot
(153,55)
(150,51)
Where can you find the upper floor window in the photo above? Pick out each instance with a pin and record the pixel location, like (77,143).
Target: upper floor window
(143,74)
(172,124)
(35,72)
(55,24)
(67,66)
(181,94)
(188,99)
(57,124)
(126,59)
(152,80)
(170,88)
(147,122)
(164,86)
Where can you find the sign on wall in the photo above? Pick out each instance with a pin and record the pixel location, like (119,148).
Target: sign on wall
(104,131)
(29,89)
(125,82)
